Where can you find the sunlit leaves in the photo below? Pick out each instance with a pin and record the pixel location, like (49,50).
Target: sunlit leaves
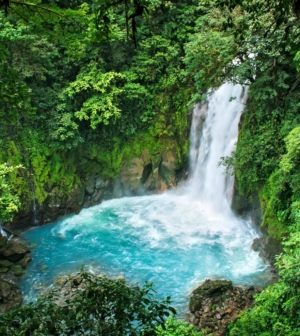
(9,203)
(102,102)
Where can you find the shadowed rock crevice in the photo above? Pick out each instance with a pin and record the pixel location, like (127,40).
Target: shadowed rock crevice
(146,173)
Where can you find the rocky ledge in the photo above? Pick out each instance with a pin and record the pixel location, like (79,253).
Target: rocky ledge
(14,257)
(216,303)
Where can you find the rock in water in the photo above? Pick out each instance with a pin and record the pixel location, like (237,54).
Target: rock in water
(216,303)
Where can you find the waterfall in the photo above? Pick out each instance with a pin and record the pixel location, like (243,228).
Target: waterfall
(175,239)
(213,135)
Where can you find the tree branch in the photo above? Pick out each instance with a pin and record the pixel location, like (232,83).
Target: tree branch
(28,5)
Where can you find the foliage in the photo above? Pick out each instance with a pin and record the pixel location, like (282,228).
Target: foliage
(86,86)
(9,203)
(80,92)
(95,306)
(209,52)
(178,328)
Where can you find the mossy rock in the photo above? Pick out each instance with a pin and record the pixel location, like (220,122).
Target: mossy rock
(5,263)
(212,288)
(17,270)
(3,269)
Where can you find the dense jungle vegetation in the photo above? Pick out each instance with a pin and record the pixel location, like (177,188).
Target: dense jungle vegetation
(84,84)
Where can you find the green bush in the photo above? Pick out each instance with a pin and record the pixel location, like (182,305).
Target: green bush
(178,328)
(88,304)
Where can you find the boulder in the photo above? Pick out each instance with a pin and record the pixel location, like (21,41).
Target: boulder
(211,288)
(15,250)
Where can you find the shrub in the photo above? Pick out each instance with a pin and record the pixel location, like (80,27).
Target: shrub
(88,304)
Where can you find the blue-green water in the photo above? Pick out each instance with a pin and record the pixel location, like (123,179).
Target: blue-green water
(169,239)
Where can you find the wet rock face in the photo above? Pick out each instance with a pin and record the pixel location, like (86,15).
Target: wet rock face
(14,257)
(140,175)
(143,174)
(131,175)
(268,248)
(216,303)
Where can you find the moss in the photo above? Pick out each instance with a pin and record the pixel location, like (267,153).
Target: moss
(47,168)
(270,203)
(108,163)
(17,270)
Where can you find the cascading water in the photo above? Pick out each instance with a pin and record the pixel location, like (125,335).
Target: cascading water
(175,239)
(219,118)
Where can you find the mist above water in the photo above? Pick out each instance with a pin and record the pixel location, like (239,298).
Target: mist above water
(175,239)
